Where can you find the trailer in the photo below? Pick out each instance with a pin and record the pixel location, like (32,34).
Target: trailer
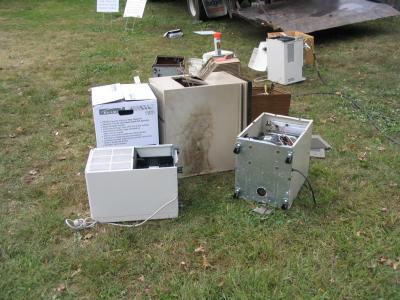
(301,15)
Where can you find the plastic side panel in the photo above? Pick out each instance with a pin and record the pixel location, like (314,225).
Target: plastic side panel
(276,64)
(132,195)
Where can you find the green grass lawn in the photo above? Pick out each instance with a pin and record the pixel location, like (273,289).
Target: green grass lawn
(52,51)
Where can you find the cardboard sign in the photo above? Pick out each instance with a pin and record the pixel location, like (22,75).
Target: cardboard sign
(134,8)
(107,6)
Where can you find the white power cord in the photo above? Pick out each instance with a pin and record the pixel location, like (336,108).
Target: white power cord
(79,224)
(86,223)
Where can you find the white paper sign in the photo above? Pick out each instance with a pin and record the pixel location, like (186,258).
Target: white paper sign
(134,8)
(258,60)
(107,6)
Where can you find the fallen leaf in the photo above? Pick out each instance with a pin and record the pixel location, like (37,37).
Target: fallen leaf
(332,118)
(352,147)
(33,172)
(31,176)
(56,133)
(19,130)
(76,272)
(363,183)
(88,236)
(141,278)
(344,149)
(362,156)
(381,148)
(206,264)
(389,262)
(382,259)
(395,265)
(199,249)
(61,288)
(61,158)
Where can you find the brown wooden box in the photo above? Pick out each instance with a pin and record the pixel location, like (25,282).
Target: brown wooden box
(277,102)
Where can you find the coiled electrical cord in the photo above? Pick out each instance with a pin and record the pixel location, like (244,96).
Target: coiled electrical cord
(79,224)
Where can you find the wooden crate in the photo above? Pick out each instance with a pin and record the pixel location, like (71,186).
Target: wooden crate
(277,102)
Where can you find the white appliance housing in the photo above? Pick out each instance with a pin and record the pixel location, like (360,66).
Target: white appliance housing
(132,183)
(285,59)
(202,119)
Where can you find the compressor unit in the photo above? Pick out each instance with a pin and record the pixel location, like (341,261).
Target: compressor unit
(272,159)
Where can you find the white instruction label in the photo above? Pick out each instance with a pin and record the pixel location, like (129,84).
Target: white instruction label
(134,8)
(107,6)
(132,123)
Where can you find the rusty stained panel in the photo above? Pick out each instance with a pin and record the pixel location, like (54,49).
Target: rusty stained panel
(314,15)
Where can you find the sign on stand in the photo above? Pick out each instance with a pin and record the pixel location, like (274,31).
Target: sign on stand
(107,6)
(134,9)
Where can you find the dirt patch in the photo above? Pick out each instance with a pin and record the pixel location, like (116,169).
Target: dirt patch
(195,142)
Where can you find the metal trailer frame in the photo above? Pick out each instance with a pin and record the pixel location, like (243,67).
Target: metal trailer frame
(305,15)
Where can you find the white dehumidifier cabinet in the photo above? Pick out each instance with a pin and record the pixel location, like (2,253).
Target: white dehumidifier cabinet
(285,59)
(201,118)
(132,183)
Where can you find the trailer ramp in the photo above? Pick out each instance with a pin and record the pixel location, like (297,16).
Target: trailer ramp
(314,15)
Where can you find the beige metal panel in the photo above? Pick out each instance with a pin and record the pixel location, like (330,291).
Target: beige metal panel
(203,121)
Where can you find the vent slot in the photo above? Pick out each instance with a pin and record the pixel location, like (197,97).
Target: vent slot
(290,53)
(111,159)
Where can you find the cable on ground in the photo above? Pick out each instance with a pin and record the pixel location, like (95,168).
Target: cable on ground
(79,224)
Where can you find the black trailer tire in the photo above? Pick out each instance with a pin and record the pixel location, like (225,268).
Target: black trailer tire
(196,10)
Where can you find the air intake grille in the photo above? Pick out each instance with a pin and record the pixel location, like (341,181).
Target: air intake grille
(290,53)
(111,159)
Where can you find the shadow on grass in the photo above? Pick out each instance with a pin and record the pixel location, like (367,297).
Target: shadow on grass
(350,32)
